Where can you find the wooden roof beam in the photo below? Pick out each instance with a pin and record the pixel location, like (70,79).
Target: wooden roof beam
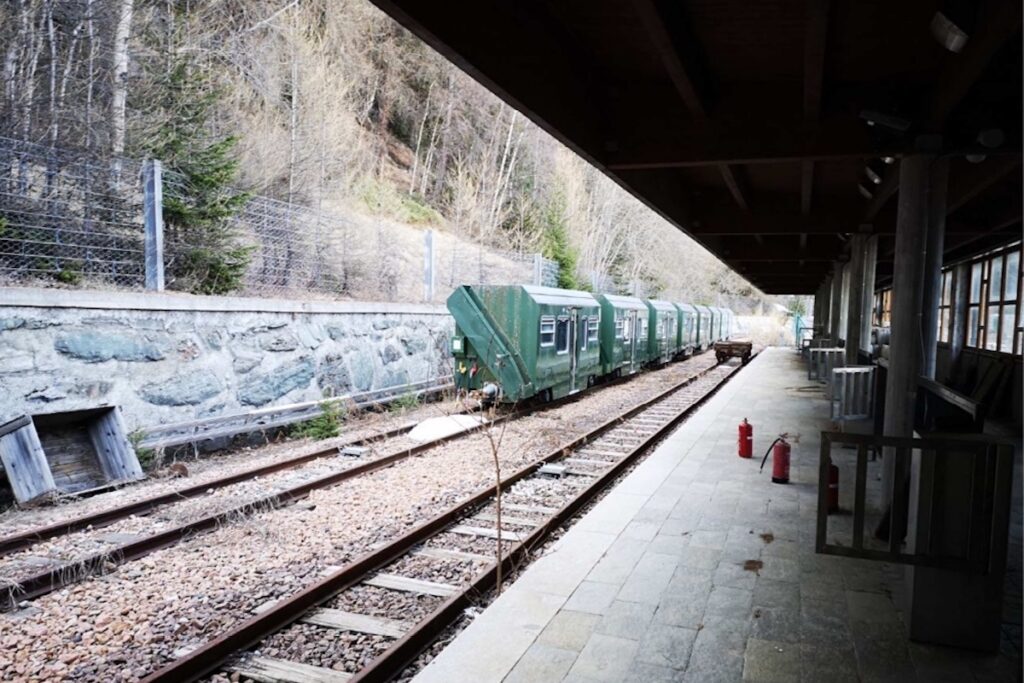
(670,56)
(815,35)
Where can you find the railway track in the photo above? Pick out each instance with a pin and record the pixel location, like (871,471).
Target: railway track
(461,542)
(56,576)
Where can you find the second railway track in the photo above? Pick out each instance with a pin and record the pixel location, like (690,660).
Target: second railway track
(128,547)
(460,542)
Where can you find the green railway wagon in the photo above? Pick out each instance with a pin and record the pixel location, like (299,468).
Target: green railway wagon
(661,334)
(516,342)
(687,329)
(623,334)
(716,323)
(704,339)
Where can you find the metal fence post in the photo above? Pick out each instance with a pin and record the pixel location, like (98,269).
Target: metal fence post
(429,269)
(153,208)
(538,269)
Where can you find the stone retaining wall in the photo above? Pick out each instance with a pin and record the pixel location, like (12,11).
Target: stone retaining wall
(169,358)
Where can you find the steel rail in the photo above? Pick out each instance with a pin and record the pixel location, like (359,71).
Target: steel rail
(69,573)
(207,658)
(26,539)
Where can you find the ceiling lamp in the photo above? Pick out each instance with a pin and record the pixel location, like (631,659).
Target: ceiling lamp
(952,24)
(889,160)
(874,171)
(865,192)
(877,118)
(990,138)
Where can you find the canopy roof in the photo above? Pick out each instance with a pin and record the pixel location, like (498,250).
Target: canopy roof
(746,124)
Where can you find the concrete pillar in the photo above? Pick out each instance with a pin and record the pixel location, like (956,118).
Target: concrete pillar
(855,298)
(907,287)
(868,300)
(836,306)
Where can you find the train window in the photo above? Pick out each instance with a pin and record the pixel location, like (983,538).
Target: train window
(562,335)
(626,329)
(592,327)
(547,330)
(581,333)
(643,327)
(620,329)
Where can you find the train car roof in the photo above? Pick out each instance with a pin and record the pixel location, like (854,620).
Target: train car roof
(661,305)
(626,302)
(688,308)
(701,308)
(553,296)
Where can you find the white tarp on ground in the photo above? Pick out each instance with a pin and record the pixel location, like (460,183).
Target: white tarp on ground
(439,427)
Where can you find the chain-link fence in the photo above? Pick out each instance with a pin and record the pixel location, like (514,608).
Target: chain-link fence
(69,218)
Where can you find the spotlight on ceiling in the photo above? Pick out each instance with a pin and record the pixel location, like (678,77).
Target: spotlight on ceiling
(864,191)
(874,171)
(953,22)
(889,160)
(877,118)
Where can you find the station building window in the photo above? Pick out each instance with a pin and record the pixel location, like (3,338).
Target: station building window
(945,306)
(993,310)
(883,308)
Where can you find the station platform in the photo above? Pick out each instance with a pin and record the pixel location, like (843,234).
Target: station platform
(697,568)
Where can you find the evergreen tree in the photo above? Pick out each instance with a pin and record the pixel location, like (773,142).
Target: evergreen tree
(198,174)
(557,246)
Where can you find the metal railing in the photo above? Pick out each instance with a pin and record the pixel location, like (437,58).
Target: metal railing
(853,393)
(963,490)
(821,360)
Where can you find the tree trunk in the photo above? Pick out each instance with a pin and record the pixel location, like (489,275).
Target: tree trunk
(119,94)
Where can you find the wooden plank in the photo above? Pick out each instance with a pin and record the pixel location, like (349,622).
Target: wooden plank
(608,454)
(270,670)
(360,623)
(404,583)
(24,460)
(585,461)
(445,554)
(505,519)
(466,530)
(538,509)
(860,486)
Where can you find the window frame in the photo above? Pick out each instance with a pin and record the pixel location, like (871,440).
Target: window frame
(543,320)
(559,320)
(945,316)
(593,329)
(980,274)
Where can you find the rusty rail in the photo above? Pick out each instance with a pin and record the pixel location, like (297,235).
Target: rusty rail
(209,657)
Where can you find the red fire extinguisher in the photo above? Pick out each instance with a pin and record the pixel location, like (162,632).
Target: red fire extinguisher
(779,451)
(746,439)
(833,488)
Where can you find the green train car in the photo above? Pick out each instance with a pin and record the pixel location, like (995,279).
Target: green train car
(516,342)
(661,334)
(687,329)
(623,334)
(704,332)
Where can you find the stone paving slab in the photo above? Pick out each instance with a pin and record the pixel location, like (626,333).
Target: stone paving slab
(697,568)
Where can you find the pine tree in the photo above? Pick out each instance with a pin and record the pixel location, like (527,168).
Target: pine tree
(556,243)
(199,171)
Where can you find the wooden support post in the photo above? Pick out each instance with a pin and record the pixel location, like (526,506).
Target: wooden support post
(958,311)
(826,304)
(855,298)
(905,340)
(836,306)
(932,292)
(868,301)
